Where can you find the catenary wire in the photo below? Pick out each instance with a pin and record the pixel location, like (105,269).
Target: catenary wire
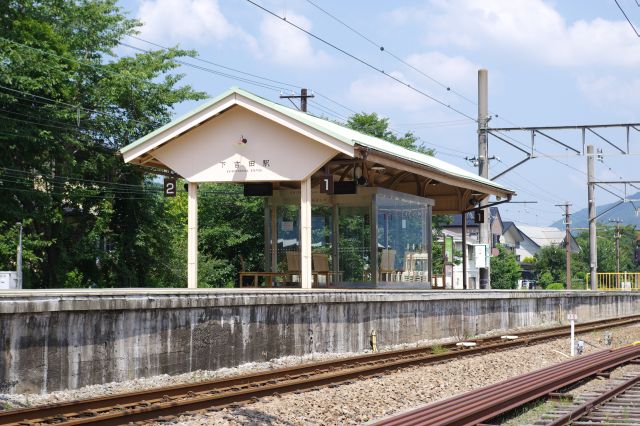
(393,55)
(627,18)
(362,61)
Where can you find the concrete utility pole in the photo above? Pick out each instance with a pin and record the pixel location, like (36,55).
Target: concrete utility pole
(617,238)
(19,258)
(567,241)
(303,98)
(483,169)
(593,248)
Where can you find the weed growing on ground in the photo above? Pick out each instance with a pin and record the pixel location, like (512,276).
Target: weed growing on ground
(438,350)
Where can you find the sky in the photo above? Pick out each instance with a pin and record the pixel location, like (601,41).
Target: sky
(565,62)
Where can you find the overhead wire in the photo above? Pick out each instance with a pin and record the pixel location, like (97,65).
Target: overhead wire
(362,61)
(627,18)
(393,55)
(385,50)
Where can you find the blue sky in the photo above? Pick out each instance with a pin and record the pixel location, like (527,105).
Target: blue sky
(550,63)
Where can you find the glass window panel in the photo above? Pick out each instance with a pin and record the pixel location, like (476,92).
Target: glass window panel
(403,253)
(354,245)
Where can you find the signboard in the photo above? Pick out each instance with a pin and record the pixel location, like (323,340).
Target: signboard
(169,187)
(448,249)
(480,253)
(326,184)
(448,275)
(478,216)
(572,317)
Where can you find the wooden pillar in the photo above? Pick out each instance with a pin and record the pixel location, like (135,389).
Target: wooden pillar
(306,278)
(192,237)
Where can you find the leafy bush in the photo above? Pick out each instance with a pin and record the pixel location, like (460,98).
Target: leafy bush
(555,286)
(545,279)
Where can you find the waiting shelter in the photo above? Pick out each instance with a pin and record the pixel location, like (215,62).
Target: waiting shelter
(341,208)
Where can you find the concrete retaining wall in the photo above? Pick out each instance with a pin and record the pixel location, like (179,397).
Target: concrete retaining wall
(68,339)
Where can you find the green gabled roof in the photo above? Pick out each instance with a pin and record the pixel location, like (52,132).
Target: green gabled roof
(337,131)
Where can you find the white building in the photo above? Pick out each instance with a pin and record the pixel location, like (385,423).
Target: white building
(473,262)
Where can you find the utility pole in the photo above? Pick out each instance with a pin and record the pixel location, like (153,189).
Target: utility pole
(617,236)
(19,257)
(302,96)
(593,249)
(567,242)
(483,169)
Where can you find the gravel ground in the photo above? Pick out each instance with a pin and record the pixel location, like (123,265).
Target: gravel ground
(356,403)
(371,399)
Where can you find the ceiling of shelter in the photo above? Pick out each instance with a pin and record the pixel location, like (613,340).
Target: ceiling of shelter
(449,197)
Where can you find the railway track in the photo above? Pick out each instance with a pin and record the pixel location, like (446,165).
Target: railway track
(174,400)
(475,407)
(618,405)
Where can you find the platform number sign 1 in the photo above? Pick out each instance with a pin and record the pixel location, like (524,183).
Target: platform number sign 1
(169,187)
(478,216)
(326,184)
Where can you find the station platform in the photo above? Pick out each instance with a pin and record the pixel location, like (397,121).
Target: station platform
(62,339)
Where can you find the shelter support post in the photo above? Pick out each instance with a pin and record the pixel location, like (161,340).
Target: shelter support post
(373,223)
(305,233)
(192,236)
(430,247)
(335,235)
(464,250)
(274,238)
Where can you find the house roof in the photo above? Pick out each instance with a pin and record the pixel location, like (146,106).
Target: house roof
(544,236)
(508,226)
(350,137)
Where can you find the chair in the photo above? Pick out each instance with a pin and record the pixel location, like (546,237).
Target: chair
(321,267)
(387,265)
(293,264)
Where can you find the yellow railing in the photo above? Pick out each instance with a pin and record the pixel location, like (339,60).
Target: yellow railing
(614,281)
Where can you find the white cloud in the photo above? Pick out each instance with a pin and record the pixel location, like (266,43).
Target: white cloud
(378,92)
(286,45)
(609,90)
(530,29)
(197,21)
(455,71)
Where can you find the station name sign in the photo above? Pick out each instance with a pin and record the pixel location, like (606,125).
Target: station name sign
(245,166)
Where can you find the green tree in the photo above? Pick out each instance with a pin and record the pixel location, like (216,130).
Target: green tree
(67,103)
(505,270)
(378,127)
(551,260)
(606,251)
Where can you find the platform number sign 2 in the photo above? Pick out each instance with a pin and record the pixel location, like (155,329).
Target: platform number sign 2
(169,187)
(326,184)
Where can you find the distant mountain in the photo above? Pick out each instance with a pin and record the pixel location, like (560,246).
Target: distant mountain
(625,212)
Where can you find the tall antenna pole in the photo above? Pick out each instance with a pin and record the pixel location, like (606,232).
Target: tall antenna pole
(483,169)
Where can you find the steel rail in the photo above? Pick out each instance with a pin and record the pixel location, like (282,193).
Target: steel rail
(180,398)
(587,407)
(482,404)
